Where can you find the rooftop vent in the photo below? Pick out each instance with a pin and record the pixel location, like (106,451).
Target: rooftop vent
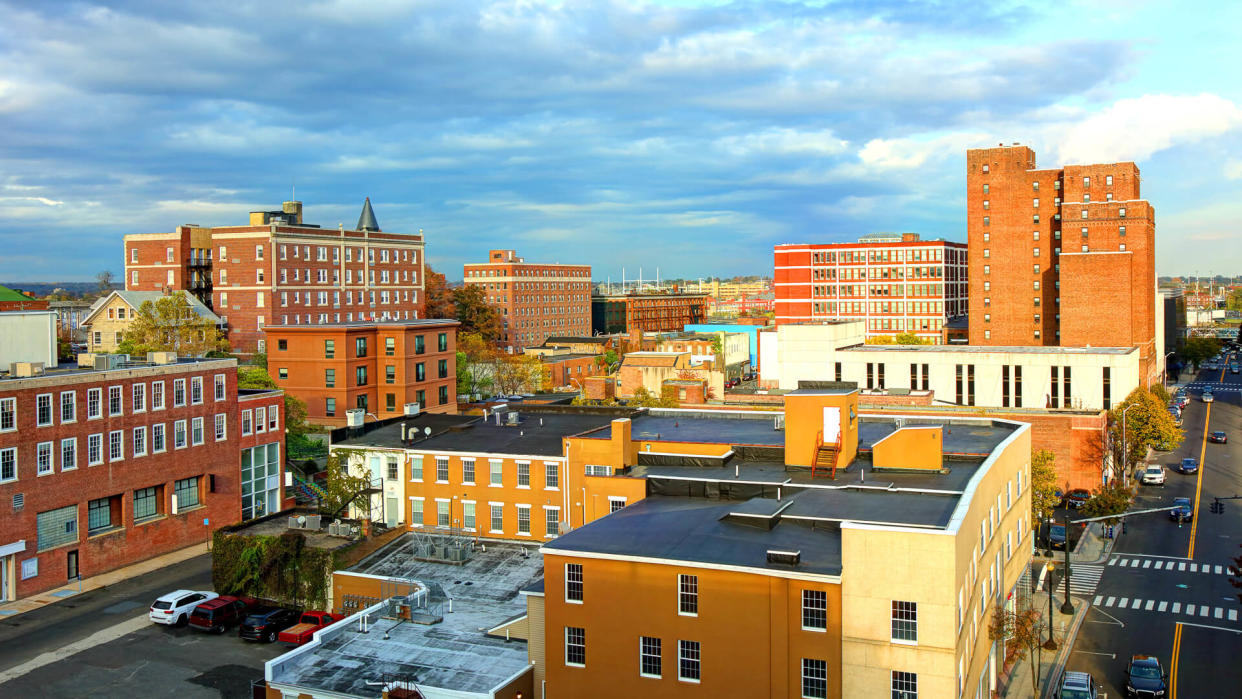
(354,417)
(413,408)
(162,357)
(21,370)
(785,557)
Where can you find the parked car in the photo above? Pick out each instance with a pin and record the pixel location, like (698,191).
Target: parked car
(1188,465)
(219,614)
(1218,437)
(1060,498)
(1153,475)
(1078,685)
(1206,397)
(1056,536)
(1144,678)
(1077,497)
(174,608)
(307,625)
(264,623)
(1184,512)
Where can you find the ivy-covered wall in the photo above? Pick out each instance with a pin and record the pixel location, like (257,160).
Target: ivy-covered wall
(278,568)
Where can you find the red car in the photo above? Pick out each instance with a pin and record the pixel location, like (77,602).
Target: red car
(306,627)
(219,614)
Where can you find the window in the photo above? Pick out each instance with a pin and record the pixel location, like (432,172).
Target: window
(196,390)
(94,449)
(575,646)
(43,410)
(497,472)
(523,474)
(329,406)
(1108,180)
(814,678)
(329,349)
(573,582)
(178,393)
(69,406)
(467,471)
(146,503)
(905,622)
(551,521)
(221,429)
(649,656)
(442,341)
(442,368)
(329,378)
(157,395)
(140,441)
(392,468)
(523,512)
(688,661)
(360,376)
(498,517)
(390,346)
(196,431)
(688,595)
(8,414)
(272,418)
(390,374)
(551,476)
(247,423)
(116,445)
(98,515)
(179,434)
(419,345)
(1035,203)
(1121,213)
(43,458)
(442,469)
(360,347)
(442,393)
(420,372)
(68,455)
(416,512)
(615,503)
(905,685)
(467,515)
(442,513)
(157,438)
(814,610)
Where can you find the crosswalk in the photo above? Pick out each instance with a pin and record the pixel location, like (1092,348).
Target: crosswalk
(1084,578)
(1169,566)
(1201,611)
(1213,387)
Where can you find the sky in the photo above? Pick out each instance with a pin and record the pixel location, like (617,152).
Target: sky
(688,137)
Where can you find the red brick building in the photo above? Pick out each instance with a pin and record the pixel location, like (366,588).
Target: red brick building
(280,270)
(102,466)
(895,282)
(378,366)
(11,300)
(535,300)
(1060,256)
(638,312)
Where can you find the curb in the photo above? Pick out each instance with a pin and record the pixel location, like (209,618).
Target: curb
(1067,646)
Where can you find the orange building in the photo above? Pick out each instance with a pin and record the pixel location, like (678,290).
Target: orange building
(535,300)
(1050,248)
(630,313)
(280,270)
(377,366)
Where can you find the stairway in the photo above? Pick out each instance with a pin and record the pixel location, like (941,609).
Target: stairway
(826,458)
(309,489)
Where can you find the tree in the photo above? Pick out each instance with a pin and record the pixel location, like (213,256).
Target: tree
(909,338)
(1043,486)
(342,487)
(475,363)
(170,324)
(1234,301)
(608,359)
(438,299)
(880,340)
(646,399)
(475,314)
(1111,499)
(718,353)
(518,373)
(1147,425)
(1198,349)
(105,280)
(1022,630)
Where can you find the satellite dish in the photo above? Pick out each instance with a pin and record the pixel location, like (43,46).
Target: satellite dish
(427,431)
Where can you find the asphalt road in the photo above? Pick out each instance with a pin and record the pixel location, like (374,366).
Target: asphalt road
(121,656)
(1187,614)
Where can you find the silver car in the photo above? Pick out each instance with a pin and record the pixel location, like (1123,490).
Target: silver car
(1078,685)
(174,608)
(1153,475)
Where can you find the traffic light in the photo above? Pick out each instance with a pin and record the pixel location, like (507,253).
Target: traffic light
(1218,507)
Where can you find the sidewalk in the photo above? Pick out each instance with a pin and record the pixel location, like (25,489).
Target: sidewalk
(9,609)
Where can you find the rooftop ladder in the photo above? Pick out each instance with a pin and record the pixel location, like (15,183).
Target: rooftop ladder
(826,455)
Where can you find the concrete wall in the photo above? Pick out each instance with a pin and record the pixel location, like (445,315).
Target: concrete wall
(28,336)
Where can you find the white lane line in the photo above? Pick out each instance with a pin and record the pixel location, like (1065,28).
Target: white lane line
(1190,609)
(1112,561)
(1121,603)
(1233,615)
(1194,567)
(1218,612)
(1214,628)
(1097,600)
(96,639)
(1147,563)
(1150,603)
(1162,607)
(1181,567)
(1109,602)
(1177,607)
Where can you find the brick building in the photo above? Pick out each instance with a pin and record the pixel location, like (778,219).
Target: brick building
(110,462)
(378,366)
(1060,256)
(281,270)
(534,300)
(659,312)
(11,300)
(894,282)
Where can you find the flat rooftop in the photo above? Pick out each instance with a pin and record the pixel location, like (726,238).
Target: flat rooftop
(536,434)
(453,655)
(358,324)
(387,433)
(708,426)
(1001,349)
(71,369)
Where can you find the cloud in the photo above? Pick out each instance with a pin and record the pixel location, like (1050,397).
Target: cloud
(1137,128)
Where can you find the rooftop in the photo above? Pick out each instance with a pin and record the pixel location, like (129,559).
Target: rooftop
(135,299)
(1002,349)
(358,324)
(567,340)
(71,370)
(454,654)
(537,433)
(710,426)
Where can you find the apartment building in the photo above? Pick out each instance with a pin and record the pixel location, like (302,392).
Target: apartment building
(111,462)
(535,300)
(281,270)
(646,312)
(113,314)
(894,282)
(376,366)
(1060,256)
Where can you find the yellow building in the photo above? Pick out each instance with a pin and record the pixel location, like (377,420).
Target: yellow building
(111,316)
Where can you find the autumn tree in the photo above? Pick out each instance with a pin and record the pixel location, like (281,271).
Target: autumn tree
(1109,500)
(1021,629)
(608,359)
(106,280)
(646,399)
(908,338)
(171,324)
(472,310)
(1043,486)
(1147,424)
(475,363)
(437,298)
(1198,349)
(519,373)
(342,487)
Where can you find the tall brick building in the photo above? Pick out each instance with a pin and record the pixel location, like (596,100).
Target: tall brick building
(894,282)
(1060,256)
(639,312)
(281,270)
(112,462)
(535,300)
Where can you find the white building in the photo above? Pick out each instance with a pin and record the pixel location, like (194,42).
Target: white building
(28,336)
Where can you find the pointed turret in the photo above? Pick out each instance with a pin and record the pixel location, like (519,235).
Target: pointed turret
(367,222)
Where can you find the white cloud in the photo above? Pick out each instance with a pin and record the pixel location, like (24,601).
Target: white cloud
(909,153)
(1136,128)
(784,141)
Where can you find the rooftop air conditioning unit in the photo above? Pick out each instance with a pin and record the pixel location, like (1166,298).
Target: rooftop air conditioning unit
(413,408)
(513,417)
(161,357)
(354,417)
(20,370)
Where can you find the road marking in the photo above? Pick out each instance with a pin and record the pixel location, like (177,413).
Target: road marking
(1123,556)
(1206,626)
(1190,609)
(1233,615)
(96,639)
(1163,606)
(1203,611)
(1121,603)
(1112,561)
(1194,567)
(1147,564)
(1218,612)
(1159,565)
(1177,646)
(1194,516)
(1134,563)
(1181,567)
(1150,603)
(1097,600)
(1109,602)
(1177,607)
(1218,570)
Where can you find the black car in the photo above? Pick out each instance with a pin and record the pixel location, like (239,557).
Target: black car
(1056,536)
(1218,437)
(1144,678)
(1184,512)
(263,624)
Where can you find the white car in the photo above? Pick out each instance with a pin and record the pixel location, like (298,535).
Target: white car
(174,608)
(1207,397)
(1153,475)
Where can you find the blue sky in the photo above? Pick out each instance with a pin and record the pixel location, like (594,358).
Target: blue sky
(689,136)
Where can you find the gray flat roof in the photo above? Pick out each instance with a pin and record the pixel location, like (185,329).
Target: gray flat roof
(536,434)
(71,369)
(971,438)
(713,427)
(387,434)
(698,530)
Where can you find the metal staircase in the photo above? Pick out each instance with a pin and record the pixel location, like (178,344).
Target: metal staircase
(826,456)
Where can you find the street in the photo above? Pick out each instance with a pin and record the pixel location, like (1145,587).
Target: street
(121,654)
(1165,589)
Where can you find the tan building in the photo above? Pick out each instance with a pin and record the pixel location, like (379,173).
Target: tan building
(112,315)
(650,370)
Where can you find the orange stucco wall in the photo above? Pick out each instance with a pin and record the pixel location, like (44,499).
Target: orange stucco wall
(804,421)
(910,447)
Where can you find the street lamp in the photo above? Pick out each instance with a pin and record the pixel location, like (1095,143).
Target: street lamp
(1068,607)
(1052,593)
(1125,448)
(1166,364)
